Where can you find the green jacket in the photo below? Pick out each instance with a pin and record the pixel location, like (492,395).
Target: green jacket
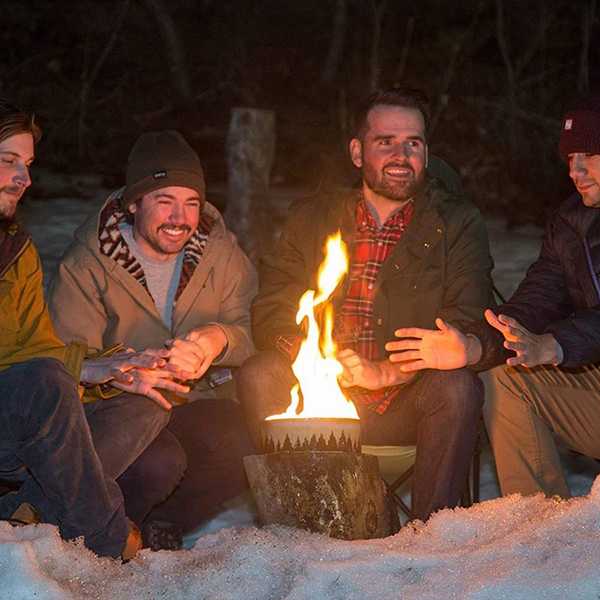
(26,331)
(440,267)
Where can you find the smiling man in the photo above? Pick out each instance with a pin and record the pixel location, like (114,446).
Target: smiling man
(51,447)
(416,250)
(157,267)
(547,335)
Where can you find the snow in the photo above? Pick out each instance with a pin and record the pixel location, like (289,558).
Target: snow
(510,548)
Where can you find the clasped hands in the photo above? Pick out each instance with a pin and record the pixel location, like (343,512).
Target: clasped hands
(182,359)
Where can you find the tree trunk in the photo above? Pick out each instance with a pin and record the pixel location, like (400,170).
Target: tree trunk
(175,54)
(250,154)
(336,46)
(340,494)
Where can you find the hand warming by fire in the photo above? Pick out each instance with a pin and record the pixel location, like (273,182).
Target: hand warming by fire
(316,367)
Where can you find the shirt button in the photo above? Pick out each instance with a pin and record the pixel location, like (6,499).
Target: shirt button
(366,323)
(426,244)
(370,286)
(379,321)
(380,243)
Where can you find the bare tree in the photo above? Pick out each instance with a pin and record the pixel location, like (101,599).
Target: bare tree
(336,46)
(378,12)
(174,52)
(588,18)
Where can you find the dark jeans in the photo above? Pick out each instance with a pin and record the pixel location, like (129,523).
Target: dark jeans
(43,428)
(213,435)
(439,412)
(136,449)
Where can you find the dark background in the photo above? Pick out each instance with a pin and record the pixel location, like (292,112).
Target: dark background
(499,74)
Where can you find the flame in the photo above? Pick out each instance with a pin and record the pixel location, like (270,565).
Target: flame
(315,366)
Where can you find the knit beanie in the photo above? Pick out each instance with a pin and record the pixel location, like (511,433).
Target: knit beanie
(581,129)
(161,159)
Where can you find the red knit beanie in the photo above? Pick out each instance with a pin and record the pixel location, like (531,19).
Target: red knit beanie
(581,129)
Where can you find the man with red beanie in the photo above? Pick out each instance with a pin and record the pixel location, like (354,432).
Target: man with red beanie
(547,335)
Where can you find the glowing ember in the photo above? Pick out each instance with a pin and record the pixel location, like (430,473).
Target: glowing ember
(315,366)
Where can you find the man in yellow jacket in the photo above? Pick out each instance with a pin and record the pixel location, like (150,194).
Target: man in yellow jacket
(46,440)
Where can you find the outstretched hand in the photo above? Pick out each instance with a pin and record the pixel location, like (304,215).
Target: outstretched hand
(369,374)
(444,349)
(531,349)
(135,372)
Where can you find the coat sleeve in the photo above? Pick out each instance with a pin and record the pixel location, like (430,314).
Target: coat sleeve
(234,311)
(283,280)
(542,304)
(75,303)
(36,334)
(469,264)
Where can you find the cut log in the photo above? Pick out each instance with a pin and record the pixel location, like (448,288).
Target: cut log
(340,494)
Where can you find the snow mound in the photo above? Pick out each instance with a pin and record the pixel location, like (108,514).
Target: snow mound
(509,548)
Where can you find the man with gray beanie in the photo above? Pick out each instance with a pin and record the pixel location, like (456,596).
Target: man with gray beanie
(547,335)
(157,267)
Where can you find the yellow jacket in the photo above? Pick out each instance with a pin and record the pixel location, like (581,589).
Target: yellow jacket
(26,331)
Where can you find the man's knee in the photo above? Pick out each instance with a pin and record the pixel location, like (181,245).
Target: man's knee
(47,390)
(263,377)
(459,393)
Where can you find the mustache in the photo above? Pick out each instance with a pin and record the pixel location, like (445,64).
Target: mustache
(185,228)
(13,189)
(399,164)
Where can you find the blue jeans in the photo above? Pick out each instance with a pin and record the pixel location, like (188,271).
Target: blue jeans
(45,441)
(439,412)
(68,456)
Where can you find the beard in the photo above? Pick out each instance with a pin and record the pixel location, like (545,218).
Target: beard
(396,189)
(9,199)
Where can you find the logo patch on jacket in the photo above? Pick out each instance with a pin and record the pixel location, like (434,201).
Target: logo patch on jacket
(568,124)
(159,174)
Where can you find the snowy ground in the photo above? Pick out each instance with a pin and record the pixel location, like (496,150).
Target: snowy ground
(502,548)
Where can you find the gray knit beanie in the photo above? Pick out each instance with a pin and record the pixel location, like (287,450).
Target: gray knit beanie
(581,129)
(161,159)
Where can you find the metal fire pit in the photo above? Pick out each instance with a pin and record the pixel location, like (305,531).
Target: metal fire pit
(313,476)
(301,435)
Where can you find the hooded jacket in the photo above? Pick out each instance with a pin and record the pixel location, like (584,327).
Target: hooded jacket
(26,331)
(99,294)
(560,293)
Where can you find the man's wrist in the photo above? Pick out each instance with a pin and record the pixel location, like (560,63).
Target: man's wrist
(474,349)
(556,353)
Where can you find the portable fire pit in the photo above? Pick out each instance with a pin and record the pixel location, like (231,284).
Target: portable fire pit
(312,473)
(313,476)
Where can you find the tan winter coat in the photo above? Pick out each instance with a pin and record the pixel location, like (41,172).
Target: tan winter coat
(99,298)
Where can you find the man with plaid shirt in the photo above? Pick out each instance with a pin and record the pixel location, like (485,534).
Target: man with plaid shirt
(417,251)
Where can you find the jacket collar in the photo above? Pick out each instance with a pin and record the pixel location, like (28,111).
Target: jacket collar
(13,241)
(112,244)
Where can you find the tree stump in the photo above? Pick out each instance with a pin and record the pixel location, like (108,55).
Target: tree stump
(250,154)
(340,494)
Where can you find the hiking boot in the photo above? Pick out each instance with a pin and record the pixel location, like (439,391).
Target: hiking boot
(133,543)
(162,535)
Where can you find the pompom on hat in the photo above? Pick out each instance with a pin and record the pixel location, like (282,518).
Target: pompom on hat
(580,131)
(161,159)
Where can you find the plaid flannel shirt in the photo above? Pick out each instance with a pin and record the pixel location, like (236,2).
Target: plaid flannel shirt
(354,321)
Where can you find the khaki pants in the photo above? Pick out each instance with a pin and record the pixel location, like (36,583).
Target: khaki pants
(524,408)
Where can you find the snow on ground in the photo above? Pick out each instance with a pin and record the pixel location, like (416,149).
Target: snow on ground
(513,548)
(509,548)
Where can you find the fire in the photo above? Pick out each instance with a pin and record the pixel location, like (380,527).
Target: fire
(315,366)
